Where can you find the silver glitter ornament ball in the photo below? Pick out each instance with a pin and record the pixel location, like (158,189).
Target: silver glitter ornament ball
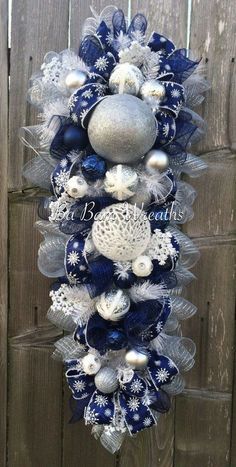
(122,128)
(106,380)
(75,79)
(121,182)
(126,79)
(156,160)
(136,359)
(152,89)
(113,305)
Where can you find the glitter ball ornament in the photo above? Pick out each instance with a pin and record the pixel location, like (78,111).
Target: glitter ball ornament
(142,266)
(136,359)
(106,380)
(75,79)
(126,79)
(152,89)
(93,167)
(121,182)
(75,138)
(121,232)
(156,160)
(91,364)
(122,128)
(76,187)
(113,305)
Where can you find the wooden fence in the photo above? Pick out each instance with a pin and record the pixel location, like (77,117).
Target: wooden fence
(200,430)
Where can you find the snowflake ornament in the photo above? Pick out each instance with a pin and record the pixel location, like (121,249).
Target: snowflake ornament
(121,181)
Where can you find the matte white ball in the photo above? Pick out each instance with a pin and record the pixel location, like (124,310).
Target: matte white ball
(91,364)
(152,89)
(126,79)
(76,187)
(156,160)
(136,359)
(113,305)
(142,266)
(106,380)
(75,79)
(122,128)
(121,232)
(121,182)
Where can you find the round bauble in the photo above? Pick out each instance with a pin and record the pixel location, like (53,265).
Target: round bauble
(152,89)
(156,160)
(121,232)
(93,167)
(121,182)
(106,380)
(75,138)
(126,79)
(76,187)
(90,364)
(122,128)
(75,79)
(136,359)
(113,305)
(142,266)
(116,339)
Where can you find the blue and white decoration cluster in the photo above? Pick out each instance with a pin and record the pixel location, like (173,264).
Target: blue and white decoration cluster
(116,129)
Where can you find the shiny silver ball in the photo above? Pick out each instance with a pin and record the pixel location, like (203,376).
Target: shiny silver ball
(121,182)
(152,89)
(106,380)
(122,128)
(136,359)
(156,160)
(126,79)
(113,305)
(75,79)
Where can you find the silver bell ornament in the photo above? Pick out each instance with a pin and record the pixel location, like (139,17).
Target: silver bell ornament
(121,182)
(76,187)
(136,360)
(90,364)
(126,79)
(121,232)
(106,380)
(122,128)
(142,266)
(152,91)
(156,159)
(113,305)
(75,79)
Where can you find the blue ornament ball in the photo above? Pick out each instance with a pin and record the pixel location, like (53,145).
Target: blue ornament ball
(76,138)
(93,167)
(116,339)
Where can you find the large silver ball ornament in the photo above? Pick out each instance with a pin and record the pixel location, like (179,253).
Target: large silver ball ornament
(121,232)
(152,89)
(156,160)
(113,305)
(126,79)
(121,181)
(136,359)
(122,128)
(106,380)
(75,79)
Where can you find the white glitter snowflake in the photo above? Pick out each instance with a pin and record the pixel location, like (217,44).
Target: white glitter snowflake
(147,421)
(79,385)
(73,279)
(159,326)
(175,93)
(136,386)
(135,54)
(52,70)
(101,63)
(91,416)
(74,117)
(166,129)
(162,375)
(133,403)
(109,38)
(171,364)
(83,113)
(100,400)
(63,163)
(136,417)
(62,178)
(160,247)
(73,258)
(108,412)
(87,94)
(72,101)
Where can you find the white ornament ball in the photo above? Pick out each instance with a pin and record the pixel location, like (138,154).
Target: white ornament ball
(122,128)
(156,160)
(91,364)
(121,232)
(136,360)
(142,266)
(76,187)
(75,79)
(121,182)
(106,380)
(126,79)
(152,89)
(113,305)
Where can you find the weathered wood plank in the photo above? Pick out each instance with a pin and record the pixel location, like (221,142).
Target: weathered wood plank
(38,26)
(212,30)
(203,430)
(214,208)
(212,328)
(3,229)
(34,408)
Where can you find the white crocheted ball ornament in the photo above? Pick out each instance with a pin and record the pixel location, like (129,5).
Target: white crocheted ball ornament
(121,232)
(121,182)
